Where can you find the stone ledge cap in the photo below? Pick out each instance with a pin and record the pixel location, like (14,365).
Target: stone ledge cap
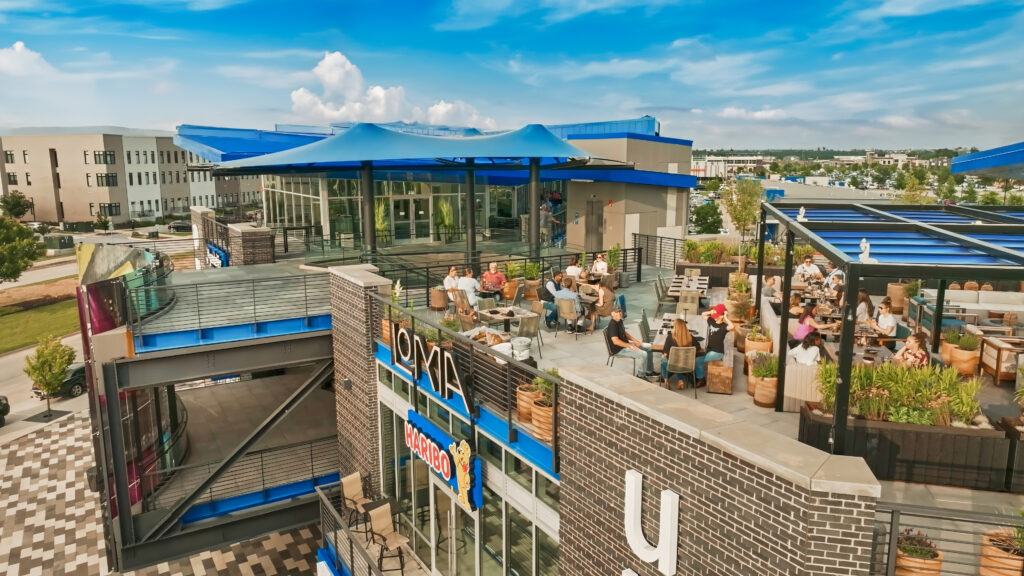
(846,475)
(785,457)
(360,274)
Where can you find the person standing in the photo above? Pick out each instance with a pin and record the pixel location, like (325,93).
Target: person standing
(623,343)
(718,327)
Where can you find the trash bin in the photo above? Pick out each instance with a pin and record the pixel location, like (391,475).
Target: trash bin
(521,348)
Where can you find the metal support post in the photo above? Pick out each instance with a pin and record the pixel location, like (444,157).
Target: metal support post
(366,190)
(846,336)
(534,208)
(118,457)
(471,255)
(760,263)
(940,308)
(787,286)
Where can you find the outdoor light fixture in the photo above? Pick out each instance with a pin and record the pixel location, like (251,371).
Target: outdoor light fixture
(346,384)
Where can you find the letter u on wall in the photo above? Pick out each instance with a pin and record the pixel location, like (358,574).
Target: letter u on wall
(668,526)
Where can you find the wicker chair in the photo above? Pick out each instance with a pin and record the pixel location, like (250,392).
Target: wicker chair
(567,311)
(681,361)
(971,285)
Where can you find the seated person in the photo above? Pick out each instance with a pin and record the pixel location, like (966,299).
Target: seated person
(768,289)
(808,269)
(604,304)
(553,285)
(807,353)
(837,292)
(679,336)
(886,323)
(796,308)
(718,326)
(451,282)
(622,343)
(913,354)
(470,286)
(493,279)
(566,293)
(807,325)
(832,273)
(887,301)
(865,309)
(600,267)
(573,269)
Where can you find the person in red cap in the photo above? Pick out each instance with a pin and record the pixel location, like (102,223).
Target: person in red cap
(718,327)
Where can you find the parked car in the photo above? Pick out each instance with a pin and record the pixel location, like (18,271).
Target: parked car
(34,225)
(73,386)
(5,409)
(180,226)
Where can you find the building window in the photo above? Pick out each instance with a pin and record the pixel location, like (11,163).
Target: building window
(106,180)
(58,180)
(175,156)
(28,179)
(88,179)
(104,157)
(12,179)
(131,181)
(8,156)
(147,178)
(152,157)
(154,177)
(127,155)
(92,209)
(163,177)
(137,161)
(24,156)
(177,177)
(113,209)
(138,178)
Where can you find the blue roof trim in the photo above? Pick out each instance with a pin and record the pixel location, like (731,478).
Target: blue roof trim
(514,178)
(632,136)
(226,144)
(1009,158)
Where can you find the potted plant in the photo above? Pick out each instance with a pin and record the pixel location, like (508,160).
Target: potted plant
(1002,551)
(396,296)
(763,380)
(738,307)
(614,258)
(916,555)
(513,270)
(381,225)
(452,324)
(438,298)
(526,394)
(444,221)
(531,274)
(950,339)
(964,357)
(911,289)
(544,407)
(739,285)
(758,339)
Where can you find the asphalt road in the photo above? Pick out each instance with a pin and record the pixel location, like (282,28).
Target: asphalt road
(31,276)
(18,388)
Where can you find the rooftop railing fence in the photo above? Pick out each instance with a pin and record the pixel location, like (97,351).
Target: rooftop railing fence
(660,251)
(346,549)
(491,377)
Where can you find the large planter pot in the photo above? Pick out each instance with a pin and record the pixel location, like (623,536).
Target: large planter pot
(438,299)
(526,395)
(752,382)
(759,345)
(946,352)
(765,391)
(910,566)
(897,295)
(543,421)
(965,361)
(530,290)
(994,560)
(740,341)
(965,457)
(508,291)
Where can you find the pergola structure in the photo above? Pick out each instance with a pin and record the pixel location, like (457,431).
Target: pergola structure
(905,241)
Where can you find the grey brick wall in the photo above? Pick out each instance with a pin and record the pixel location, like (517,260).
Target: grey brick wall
(250,245)
(355,322)
(736,517)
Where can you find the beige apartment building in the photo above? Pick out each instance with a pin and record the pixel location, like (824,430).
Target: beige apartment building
(79,174)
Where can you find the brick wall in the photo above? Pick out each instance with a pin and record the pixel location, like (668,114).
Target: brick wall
(250,245)
(355,322)
(751,501)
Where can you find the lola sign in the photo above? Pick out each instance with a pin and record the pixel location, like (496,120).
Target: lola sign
(411,350)
(668,526)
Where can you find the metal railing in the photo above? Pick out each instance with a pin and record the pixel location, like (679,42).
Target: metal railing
(660,251)
(240,302)
(256,471)
(346,549)
(956,534)
(491,377)
(418,280)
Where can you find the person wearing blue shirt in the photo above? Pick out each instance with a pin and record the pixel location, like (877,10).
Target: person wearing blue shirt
(565,293)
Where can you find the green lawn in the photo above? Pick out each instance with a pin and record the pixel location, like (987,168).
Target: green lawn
(22,329)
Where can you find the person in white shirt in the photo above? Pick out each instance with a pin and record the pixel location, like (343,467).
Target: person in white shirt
(807,353)
(865,309)
(833,272)
(451,282)
(600,267)
(808,269)
(885,325)
(470,286)
(573,269)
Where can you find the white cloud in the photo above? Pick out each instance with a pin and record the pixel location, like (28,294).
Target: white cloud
(343,99)
(163,87)
(476,14)
(284,53)
(722,69)
(266,76)
(778,89)
(734,112)
(963,64)
(19,60)
(899,121)
(907,8)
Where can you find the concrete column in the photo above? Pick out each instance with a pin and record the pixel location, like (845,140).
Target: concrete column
(366,189)
(325,213)
(534,207)
(471,215)
(250,245)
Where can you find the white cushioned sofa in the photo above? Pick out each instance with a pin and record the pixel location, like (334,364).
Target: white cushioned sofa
(981,302)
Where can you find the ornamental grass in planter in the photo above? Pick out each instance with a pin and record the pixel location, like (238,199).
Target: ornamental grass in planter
(531,274)
(964,357)
(544,407)
(1002,552)
(916,555)
(764,370)
(950,339)
(758,339)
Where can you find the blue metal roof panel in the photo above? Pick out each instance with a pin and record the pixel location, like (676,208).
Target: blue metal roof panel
(932,217)
(630,135)
(908,248)
(1002,162)
(226,144)
(839,215)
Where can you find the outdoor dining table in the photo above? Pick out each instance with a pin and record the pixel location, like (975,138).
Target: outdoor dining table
(680,283)
(865,355)
(658,342)
(505,314)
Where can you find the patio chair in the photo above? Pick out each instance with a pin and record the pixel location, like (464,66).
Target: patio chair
(355,501)
(612,355)
(689,303)
(486,303)
(971,285)
(519,295)
(665,302)
(692,272)
(530,328)
(645,328)
(466,321)
(382,530)
(681,361)
(462,305)
(567,311)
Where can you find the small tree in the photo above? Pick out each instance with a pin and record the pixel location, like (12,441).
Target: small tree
(914,193)
(49,365)
(18,249)
(743,205)
(707,219)
(713,185)
(969,194)
(15,204)
(948,190)
(990,198)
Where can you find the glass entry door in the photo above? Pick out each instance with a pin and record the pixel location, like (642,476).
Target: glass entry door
(410,217)
(454,532)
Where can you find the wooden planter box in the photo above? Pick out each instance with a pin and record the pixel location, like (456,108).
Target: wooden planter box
(965,457)
(1016,475)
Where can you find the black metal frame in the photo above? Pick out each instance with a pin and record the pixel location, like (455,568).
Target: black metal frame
(856,270)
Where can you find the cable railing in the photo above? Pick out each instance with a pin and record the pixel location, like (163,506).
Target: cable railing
(345,548)
(418,280)
(491,376)
(962,538)
(232,303)
(256,471)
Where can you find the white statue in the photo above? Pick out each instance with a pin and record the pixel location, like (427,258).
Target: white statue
(865,252)
(801,216)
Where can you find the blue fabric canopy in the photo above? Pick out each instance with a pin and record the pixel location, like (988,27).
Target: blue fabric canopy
(383,147)
(226,144)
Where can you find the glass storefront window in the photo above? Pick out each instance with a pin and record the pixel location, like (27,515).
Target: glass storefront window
(520,543)
(489,450)
(462,431)
(440,416)
(547,491)
(519,471)
(402,388)
(547,555)
(387,438)
(492,528)
(384,375)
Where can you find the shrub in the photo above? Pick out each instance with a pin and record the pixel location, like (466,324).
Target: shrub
(952,336)
(531,270)
(827,373)
(912,288)
(513,269)
(911,415)
(546,387)
(969,342)
(765,365)
(692,251)
(963,400)
(916,544)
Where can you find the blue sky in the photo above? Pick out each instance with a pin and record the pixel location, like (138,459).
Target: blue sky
(884,74)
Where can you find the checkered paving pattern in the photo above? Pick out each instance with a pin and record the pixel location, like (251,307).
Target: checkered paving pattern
(50,521)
